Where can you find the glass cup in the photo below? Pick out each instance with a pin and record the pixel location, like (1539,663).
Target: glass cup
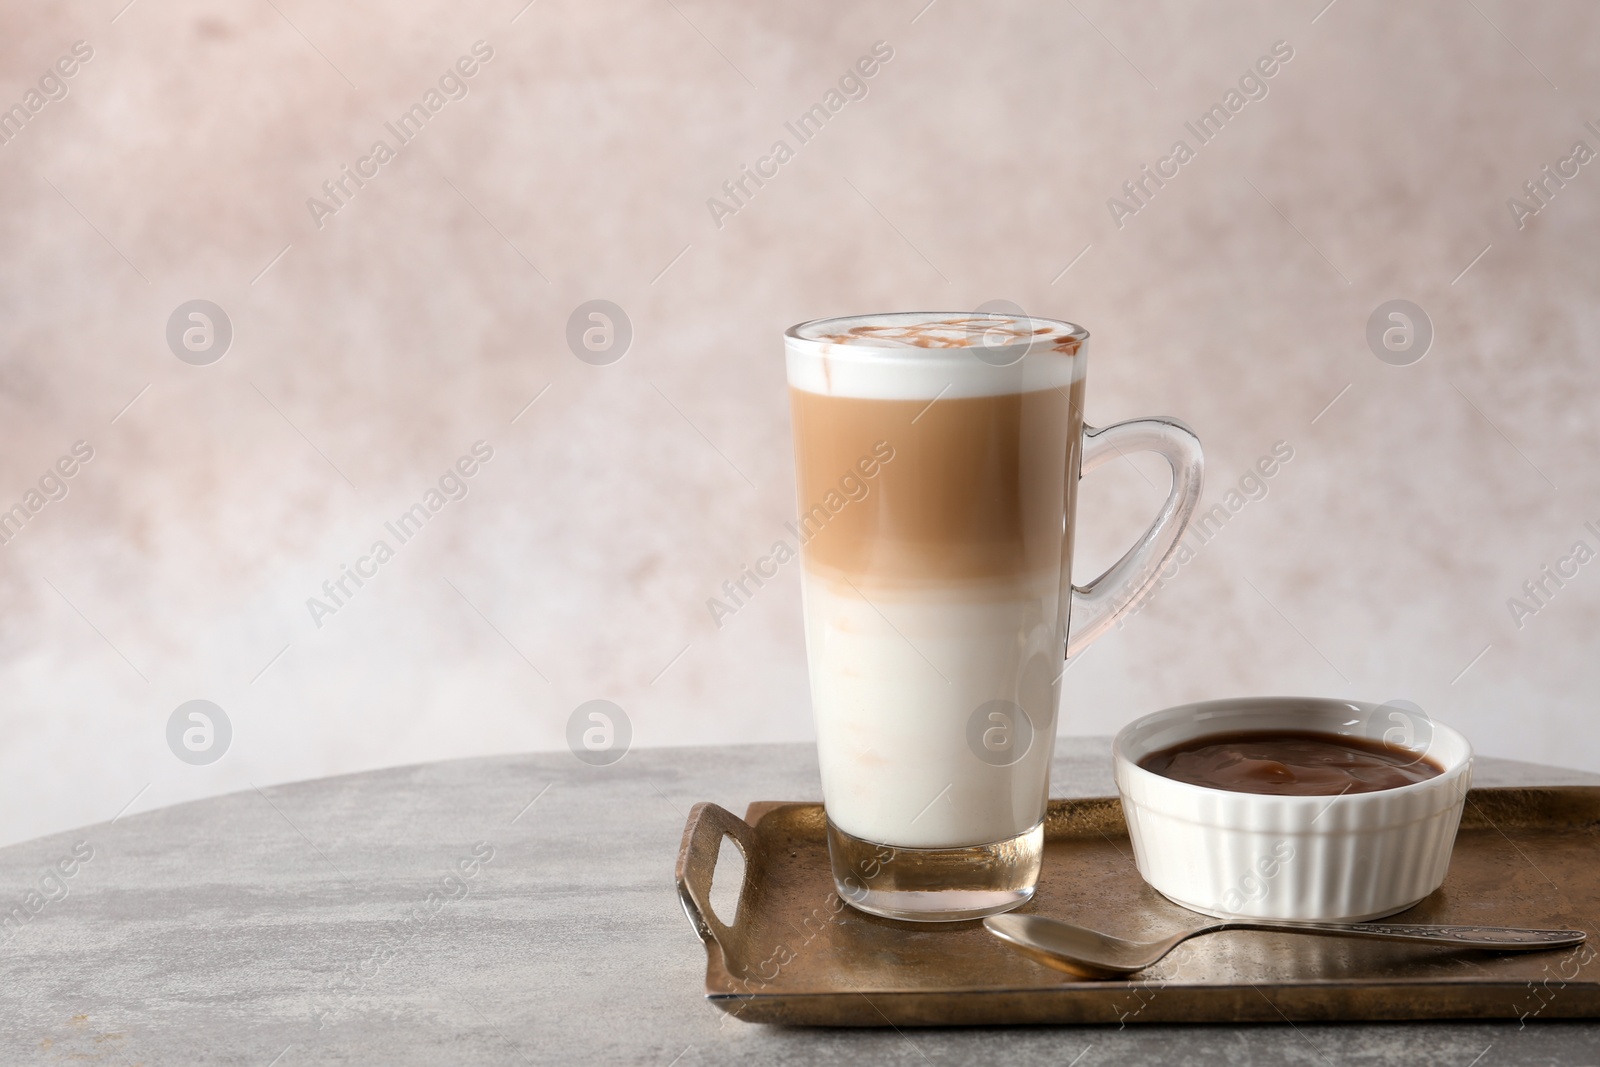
(937,459)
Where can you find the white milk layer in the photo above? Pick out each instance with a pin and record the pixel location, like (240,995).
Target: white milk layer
(895,682)
(971,356)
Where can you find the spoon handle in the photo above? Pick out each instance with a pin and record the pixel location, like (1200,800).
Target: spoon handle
(1508,938)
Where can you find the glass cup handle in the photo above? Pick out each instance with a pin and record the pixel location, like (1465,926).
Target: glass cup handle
(1097,606)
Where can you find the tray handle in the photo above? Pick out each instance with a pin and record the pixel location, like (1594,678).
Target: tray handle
(697,862)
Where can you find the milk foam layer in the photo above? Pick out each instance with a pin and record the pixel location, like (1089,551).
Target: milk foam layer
(923,355)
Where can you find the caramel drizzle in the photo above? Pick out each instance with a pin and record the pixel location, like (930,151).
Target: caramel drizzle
(969,332)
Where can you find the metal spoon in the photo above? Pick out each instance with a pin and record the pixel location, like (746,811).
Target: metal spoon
(1091,954)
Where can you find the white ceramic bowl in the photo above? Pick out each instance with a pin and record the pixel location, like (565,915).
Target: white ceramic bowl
(1342,858)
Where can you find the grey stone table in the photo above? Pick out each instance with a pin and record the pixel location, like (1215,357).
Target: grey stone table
(509,910)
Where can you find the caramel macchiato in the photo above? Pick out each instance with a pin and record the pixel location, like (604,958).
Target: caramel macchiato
(937,460)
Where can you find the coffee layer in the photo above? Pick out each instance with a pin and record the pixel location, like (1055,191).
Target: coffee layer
(963,490)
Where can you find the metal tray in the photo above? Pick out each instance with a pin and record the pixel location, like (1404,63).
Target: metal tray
(797,954)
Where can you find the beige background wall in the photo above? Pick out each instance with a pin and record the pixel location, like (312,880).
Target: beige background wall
(432,308)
